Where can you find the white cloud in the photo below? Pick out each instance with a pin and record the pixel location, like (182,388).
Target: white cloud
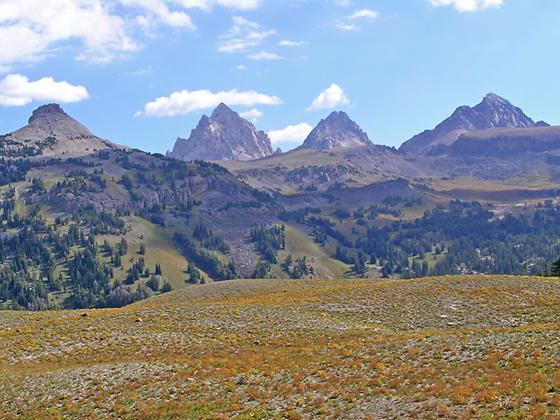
(153,12)
(291,134)
(287,43)
(348,23)
(17,90)
(241,67)
(244,35)
(240,4)
(96,30)
(264,56)
(141,72)
(467,5)
(183,102)
(343,3)
(329,98)
(346,26)
(233,4)
(253,114)
(32,29)
(364,13)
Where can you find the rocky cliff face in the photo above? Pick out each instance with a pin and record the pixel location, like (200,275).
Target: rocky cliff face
(223,136)
(492,112)
(337,130)
(52,132)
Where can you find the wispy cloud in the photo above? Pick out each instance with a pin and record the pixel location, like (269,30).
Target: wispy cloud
(184,102)
(243,36)
(264,55)
(329,98)
(234,4)
(346,26)
(141,72)
(364,13)
(350,22)
(287,43)
(468,5)
(17,90)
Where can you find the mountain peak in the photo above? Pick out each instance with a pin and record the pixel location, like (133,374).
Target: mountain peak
(52,132)
(225,135)
(223,112)
(47,111)
(492,98)
(492,112)
(337,130)
(336,116)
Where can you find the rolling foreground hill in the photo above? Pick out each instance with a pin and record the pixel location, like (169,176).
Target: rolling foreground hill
(450,347)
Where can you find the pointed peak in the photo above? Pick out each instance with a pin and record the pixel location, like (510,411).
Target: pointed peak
(221,109)
(46,111)
(337,115)
(492,99)
(337,130)
(225,135)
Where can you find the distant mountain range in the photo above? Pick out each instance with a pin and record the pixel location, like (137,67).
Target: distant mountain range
(493,127)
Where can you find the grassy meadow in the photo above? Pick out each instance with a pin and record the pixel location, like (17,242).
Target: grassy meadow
(451,347)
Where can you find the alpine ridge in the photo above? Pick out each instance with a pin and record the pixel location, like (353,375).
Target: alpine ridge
(223,136)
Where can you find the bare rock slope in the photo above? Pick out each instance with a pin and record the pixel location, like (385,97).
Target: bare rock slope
(223,136)
(337,130)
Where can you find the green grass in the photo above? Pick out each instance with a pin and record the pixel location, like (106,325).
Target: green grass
(159,250)
(299,244)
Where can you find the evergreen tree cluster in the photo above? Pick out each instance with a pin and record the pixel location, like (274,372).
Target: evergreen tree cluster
(268,241)
(297,269)
(205,259)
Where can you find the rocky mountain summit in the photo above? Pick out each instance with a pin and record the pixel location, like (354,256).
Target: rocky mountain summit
(493,112)
(223,136)
(337,130)
(52,132)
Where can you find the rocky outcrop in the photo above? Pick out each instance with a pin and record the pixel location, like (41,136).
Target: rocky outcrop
(223,136)
(337,130)
(492,112)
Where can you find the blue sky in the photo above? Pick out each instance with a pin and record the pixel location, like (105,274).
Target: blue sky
(142,72)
